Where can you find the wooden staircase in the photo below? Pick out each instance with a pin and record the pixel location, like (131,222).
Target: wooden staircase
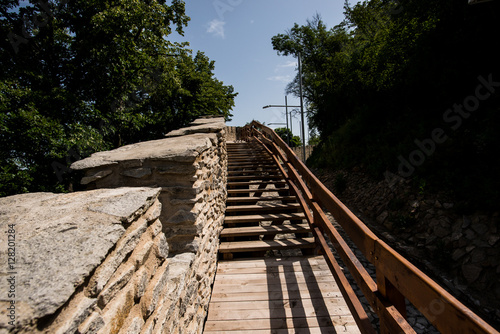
(262,214)
(271,197)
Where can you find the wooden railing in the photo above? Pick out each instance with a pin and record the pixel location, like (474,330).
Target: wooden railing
(396,278)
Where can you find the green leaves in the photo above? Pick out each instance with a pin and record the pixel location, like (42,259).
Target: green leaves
(95,76)
(386,75)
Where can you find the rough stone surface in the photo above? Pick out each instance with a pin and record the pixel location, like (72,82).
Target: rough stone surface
(97,176)
(60,240)
(139,259)
(171,293)
(463,250)
(202,125)
(182,149)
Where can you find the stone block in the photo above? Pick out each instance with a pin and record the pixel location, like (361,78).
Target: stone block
(64,238)
(150,267)
(134,322)
(73,314)
(141,281)
(155,287)
(161,246)
(154,212)
(132,204)
(141,253)
(92,324)
(179,149)
(123,247)
(137,173)
(182,217)
(176,169)
(97,176)
(156,227)
(182,243)
(180,266)
(117,310)
(119,279)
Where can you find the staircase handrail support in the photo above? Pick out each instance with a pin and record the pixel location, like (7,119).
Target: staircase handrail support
(396,277)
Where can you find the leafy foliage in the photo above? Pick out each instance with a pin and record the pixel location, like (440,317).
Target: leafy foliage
(83,76)
(288,137)
(386,76)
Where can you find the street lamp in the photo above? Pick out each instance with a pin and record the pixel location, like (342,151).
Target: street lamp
(301,108)
(286,112)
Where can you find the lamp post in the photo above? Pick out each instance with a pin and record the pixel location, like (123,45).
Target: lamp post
(302,110)
(303,132)
(286,111)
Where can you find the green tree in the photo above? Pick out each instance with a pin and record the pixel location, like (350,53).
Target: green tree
(386,76)
(83,76)
(288,137)
(285,134)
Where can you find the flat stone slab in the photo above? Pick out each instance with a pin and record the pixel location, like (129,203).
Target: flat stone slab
(207,120)
(184,149)
(201,125)
(59,240)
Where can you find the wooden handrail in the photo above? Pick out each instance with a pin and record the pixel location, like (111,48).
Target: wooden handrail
(396,278)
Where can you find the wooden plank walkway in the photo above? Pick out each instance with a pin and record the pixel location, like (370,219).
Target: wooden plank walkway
(277,295)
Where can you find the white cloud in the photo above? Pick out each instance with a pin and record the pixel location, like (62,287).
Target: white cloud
(281,78)
(288,64)
(284,72)
(216,27)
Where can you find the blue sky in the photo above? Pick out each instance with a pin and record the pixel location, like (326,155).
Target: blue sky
(237,34)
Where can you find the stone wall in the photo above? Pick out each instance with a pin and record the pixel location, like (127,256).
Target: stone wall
(461,251)
(300,152)
(84,262)
(233,133)
(136,253)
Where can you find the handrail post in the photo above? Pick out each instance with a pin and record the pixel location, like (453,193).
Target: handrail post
(390,293)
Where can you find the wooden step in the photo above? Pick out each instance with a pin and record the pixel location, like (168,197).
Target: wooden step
(250,167)
(277,217)
(249,161)
(264,208)
(254,173)
(249,183)
(234,200)
(242,154)
(253,162)
(248,191)
(250,156)
(264,230)
(244,148)
(255,177)
(265,245)
(242,176)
